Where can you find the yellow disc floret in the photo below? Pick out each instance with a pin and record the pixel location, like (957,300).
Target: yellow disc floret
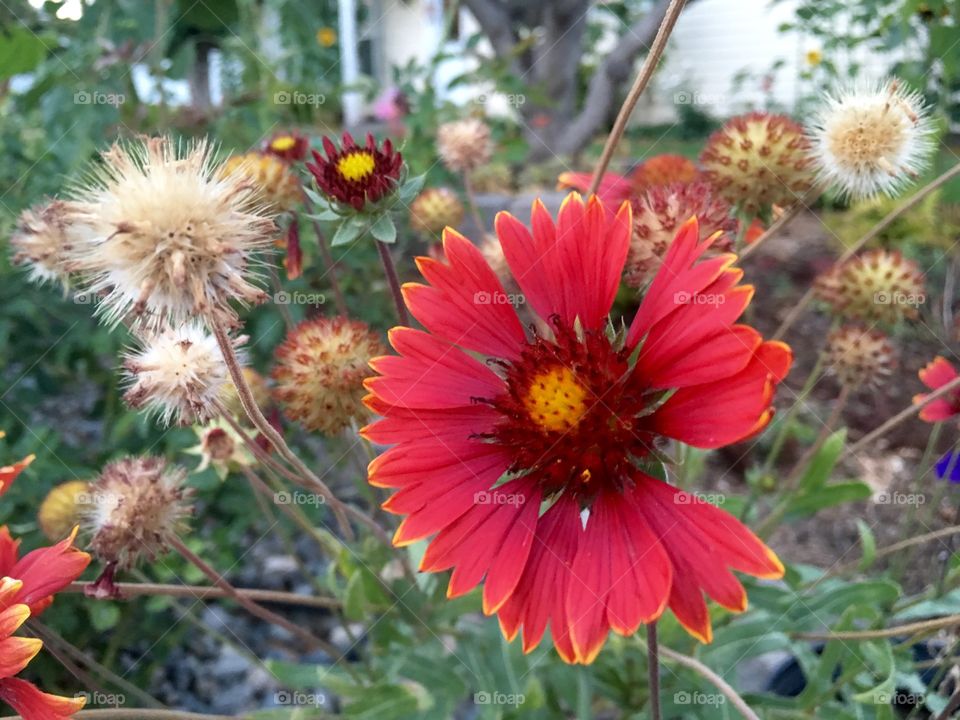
(556,400)
(356,166)
(283,142)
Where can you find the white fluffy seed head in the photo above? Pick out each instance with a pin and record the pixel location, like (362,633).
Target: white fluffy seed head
(177,374)
(871,138)
(40,241)
(166,236)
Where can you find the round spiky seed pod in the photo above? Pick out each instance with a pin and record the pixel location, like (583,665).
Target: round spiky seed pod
(178,374)
(320,371)
(872,138)
(758,160)
(270,175)
(134,508)
(464,145)
(62,509)
(166,236)
(40,241)
(875,286)
(657,216)
(434,209)
(858,356)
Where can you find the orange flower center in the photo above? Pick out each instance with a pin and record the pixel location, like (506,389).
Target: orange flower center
(356,166)
(556,400)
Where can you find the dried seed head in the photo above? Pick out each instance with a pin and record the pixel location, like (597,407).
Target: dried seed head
(320,371)
(40,241)
(134,508)
(464,145)
(758,160)
(875,286)
(434,209)
(178,374)
(858,356)
(658,215)
(167,236)
(872,138)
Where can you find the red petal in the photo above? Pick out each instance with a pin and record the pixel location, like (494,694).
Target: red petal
(9,473)
(46,571)
(31,704)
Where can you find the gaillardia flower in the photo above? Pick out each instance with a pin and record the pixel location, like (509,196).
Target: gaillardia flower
(871,139)
(531,468)
(320,370)
(937,373)
(290,147)
(758,160)
(9,473)
(434,209)
(279,187)
(15,654)
(658,214)
(874,286)
(355,175)
(167,236)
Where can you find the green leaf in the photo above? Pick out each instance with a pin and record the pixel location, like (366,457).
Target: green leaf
(410,189)
(819,469)
(383,229)
(20,51)
(828,496)
(869,544)
(348,231)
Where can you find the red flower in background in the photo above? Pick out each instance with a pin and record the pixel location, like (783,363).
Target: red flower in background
(613,190)
(290,147)
(356,175)
(935,375)
(530,469)
(27,588)
(9,473)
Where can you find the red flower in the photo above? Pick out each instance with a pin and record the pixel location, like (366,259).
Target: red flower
(614,189)
(935,375)
(355,175)
(43,572)
(288,146)
(26,588)
(9,473)
(529,468)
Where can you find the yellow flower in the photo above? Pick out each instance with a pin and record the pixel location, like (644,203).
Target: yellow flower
(326,37)
(814,57)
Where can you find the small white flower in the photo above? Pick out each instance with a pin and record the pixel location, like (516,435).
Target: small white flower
(871,138)
(178,374)
(168,236)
